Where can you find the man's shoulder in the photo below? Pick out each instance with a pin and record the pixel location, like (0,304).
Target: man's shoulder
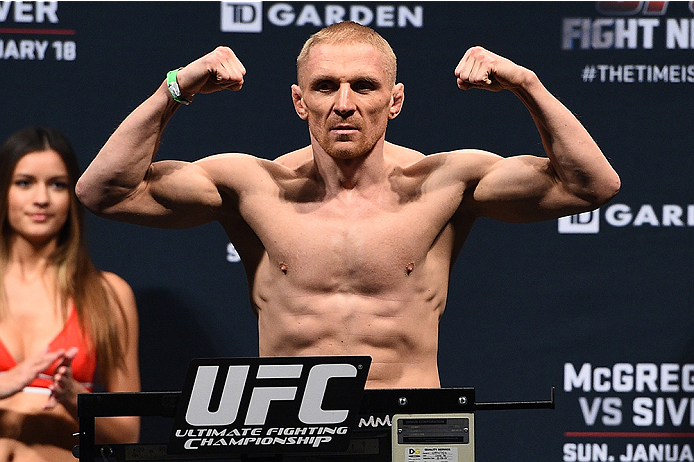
(463,165)
(224,163)
(459,158)
(401,155)
(239,171)
(295,159)
(469,157)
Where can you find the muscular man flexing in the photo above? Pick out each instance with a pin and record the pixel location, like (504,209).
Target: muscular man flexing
(349,241)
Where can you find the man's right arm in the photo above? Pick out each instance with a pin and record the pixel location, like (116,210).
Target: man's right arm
(123,183)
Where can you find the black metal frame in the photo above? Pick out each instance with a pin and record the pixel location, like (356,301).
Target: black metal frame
(164,404)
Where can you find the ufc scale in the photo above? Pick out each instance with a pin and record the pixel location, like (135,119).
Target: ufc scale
(293,409)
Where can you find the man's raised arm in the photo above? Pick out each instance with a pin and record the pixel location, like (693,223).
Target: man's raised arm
(575,177)
(123,183)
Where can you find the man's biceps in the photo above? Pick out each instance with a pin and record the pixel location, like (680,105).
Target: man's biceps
(179,183)
(506,179)
(172,172)
(529,173)
(559,197)
(134,208)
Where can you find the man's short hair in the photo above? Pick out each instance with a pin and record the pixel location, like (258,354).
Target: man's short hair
(350,32)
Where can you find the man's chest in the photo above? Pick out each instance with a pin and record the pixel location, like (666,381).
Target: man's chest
(365,243)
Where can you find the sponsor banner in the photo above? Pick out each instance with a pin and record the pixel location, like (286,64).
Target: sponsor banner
(523,300)
(31,31)
(638,73)
(624,215)
(251,16)
(269,405)
(629,412)
(657,27)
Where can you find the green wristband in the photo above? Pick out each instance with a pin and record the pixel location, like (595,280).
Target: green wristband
(174,88)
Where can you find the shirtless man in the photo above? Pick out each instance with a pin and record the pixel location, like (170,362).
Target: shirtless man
(349,241)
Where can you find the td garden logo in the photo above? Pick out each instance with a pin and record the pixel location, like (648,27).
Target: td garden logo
(249,16)
(583,223)
(623,215)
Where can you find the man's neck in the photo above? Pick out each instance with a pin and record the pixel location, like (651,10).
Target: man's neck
(357,173)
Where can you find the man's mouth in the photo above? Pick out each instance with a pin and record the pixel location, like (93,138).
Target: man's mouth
(344,129)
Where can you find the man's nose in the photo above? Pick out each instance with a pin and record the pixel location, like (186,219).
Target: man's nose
(344,103)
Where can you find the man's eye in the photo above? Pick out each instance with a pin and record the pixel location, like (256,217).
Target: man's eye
(363,86)
(325,86)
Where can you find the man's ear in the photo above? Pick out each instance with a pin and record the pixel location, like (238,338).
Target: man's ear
(298,99)
(397,99)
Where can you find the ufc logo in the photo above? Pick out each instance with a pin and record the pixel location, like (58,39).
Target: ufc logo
(310,410)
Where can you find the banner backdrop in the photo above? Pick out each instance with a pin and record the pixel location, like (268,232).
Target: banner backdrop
(597,305)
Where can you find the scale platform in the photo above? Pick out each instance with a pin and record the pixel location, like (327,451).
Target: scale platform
(294,410)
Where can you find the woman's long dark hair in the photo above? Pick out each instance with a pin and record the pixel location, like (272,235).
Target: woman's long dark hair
(76,277)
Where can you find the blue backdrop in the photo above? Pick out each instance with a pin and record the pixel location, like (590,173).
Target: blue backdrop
(598,306)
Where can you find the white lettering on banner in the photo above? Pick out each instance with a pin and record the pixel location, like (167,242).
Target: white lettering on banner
(680,34)
(281,14)
(642,378)
(649,411)
(284,14)
(583,223)
(310,412)
(207,432)
(610,407)
(40,12)
(657,453)
(594,452)
(631,33)
(23,49)
(621,215)
(672,215)
(314,441)
(606,33)
(638,73)
(640,452)
(35,50)
(263,396)
(198,412)
(240,16)
(623,33)
(627,377)
(28,12)
(65,51)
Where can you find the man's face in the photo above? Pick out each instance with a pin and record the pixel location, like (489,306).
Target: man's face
(347,97)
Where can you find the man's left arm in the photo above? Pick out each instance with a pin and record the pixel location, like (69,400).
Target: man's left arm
(574,177)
